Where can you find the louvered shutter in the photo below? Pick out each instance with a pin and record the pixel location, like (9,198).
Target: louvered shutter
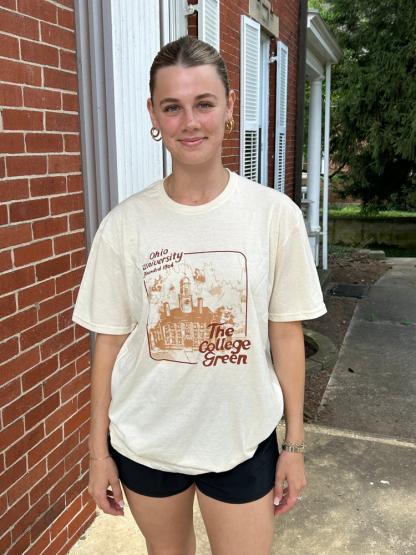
(131,40)
(209,22)
(250,98)
(281,116)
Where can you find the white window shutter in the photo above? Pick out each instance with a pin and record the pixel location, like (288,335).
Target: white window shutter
(250,98)
(131,41)
(281,116)
(209,22)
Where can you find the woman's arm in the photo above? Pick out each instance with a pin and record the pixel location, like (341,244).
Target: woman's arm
(106,350)
(103,471)
(288,350)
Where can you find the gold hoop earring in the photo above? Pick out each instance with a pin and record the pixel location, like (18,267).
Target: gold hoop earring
(229,126)
(155,134)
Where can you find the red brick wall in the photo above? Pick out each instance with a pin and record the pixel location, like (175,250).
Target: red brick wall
(44,357)
(287,12)
(230,14)
(230,42)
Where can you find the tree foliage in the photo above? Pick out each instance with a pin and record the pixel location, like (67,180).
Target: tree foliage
(373,128)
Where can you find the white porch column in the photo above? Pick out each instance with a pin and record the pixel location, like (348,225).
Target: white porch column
(314,163)
(326,166)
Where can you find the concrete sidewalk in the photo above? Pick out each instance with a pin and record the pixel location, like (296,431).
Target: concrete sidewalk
(361,455)
(373,387)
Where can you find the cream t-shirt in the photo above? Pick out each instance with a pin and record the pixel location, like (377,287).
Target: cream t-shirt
(193,387)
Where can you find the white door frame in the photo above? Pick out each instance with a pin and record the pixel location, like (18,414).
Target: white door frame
(173,25)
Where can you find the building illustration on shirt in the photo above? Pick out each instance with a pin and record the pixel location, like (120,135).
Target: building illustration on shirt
(197,305)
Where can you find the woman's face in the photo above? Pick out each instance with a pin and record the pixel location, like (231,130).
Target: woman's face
(190,109)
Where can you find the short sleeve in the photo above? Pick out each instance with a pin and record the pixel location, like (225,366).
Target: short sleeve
(296,292)
(104,303)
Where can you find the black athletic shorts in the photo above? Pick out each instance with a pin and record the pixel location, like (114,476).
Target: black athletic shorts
(246,482)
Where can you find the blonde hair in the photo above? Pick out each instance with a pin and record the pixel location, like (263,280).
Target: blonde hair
(188,52)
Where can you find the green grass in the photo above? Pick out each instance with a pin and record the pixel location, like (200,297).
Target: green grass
(354,211)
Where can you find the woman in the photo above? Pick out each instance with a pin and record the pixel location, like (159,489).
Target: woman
(189,285)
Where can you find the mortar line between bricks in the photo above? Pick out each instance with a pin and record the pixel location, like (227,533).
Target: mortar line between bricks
(327,430)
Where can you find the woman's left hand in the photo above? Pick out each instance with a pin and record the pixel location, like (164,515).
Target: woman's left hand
(290,468)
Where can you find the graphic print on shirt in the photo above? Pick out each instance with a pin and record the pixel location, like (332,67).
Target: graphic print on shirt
(197,307)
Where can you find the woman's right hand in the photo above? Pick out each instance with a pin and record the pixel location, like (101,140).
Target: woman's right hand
(103,473)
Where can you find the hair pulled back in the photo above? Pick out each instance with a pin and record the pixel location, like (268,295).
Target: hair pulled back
(188,51)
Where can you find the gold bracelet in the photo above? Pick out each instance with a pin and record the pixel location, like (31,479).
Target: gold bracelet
(99,458)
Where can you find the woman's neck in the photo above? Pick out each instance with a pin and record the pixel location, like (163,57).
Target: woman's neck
(194,187)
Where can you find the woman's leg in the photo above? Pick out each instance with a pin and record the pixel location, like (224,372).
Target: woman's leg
(238,528)
(165,522)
